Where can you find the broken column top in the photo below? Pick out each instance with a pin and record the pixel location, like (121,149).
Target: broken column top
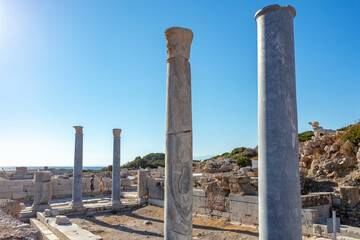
(178,42)
(116,132)
(43,176)
(79,129)
(275,7)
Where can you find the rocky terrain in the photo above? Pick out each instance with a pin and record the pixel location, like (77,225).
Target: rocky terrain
(330,161)
(11,227)
(326,161)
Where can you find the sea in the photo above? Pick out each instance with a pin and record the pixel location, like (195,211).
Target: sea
(51,167)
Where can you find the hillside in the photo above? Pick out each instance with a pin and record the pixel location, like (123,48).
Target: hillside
(152,160)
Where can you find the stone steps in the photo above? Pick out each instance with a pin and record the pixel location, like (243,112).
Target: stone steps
(46,233)
(68,231)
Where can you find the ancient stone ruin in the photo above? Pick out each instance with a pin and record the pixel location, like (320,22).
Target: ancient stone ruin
(319,130)
(265,195)
(178,151)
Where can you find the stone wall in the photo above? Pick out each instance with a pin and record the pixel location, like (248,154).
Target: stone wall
(61,188)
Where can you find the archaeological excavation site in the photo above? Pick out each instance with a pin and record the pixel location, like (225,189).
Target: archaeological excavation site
(291,186)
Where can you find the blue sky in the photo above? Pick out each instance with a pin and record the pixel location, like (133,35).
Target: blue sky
(101,64)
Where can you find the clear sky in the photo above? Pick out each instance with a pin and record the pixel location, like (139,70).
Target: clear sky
(101,64)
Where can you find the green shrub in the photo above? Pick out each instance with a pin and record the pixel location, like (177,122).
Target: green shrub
(352,134)
(243,161)
(343,128)
(305,136)
(237,150)
(152,160)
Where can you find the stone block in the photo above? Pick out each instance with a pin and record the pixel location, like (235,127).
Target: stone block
(43,192)
(156,188)
(19,195)
(244,209)
(54,212)
(309,216)
(23,182)
(199,204)
(10,183)
(62,220)
(349,196)
(5,195)
(125,182)
(43,176)
(29,188)
(16,189)
(156,202)
(323,211)
(4,189)
(316,199)
(143,178)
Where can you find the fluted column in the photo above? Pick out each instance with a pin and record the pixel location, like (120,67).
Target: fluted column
(115,193)
(178,152)
(78,165)
(279,181)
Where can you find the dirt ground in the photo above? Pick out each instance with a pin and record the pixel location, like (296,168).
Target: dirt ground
(148,223)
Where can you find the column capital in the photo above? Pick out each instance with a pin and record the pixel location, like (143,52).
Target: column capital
(116,132)
(79,129)
(275,7)
(178,42)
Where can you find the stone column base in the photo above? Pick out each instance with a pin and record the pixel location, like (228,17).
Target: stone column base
(76,204)
(116,204)
(40,207)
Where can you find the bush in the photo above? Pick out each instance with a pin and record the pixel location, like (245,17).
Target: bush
(152,160)
(352,133)
(237,150)
(305,136)
(243,161)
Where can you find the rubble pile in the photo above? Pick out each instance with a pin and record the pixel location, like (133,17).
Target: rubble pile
(12,228)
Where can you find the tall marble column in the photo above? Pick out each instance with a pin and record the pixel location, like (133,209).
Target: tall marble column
(178,152)
(78,165)
(279,181)
(115,193)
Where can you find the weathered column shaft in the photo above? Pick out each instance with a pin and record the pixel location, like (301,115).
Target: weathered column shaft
(178,152)
(115,194)
(78,165)
(279,181)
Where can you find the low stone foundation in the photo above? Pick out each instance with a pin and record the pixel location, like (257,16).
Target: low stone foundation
(61,188)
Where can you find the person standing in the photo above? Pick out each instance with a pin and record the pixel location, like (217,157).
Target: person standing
(101,186)
(92,186)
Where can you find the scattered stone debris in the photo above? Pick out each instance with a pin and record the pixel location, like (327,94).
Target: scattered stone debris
(12,228)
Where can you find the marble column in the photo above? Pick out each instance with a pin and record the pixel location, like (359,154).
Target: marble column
(115,193)
(279,180)
(78,165)
(178,152)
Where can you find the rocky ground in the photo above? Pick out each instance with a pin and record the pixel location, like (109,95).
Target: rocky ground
(148,223)
(12,228)
(328,162)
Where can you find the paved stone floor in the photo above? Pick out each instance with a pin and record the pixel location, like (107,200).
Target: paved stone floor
(148,222)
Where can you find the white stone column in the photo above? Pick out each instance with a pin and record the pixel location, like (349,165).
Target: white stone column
(279,180)
(115,193)
(78,165)
(178,152)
